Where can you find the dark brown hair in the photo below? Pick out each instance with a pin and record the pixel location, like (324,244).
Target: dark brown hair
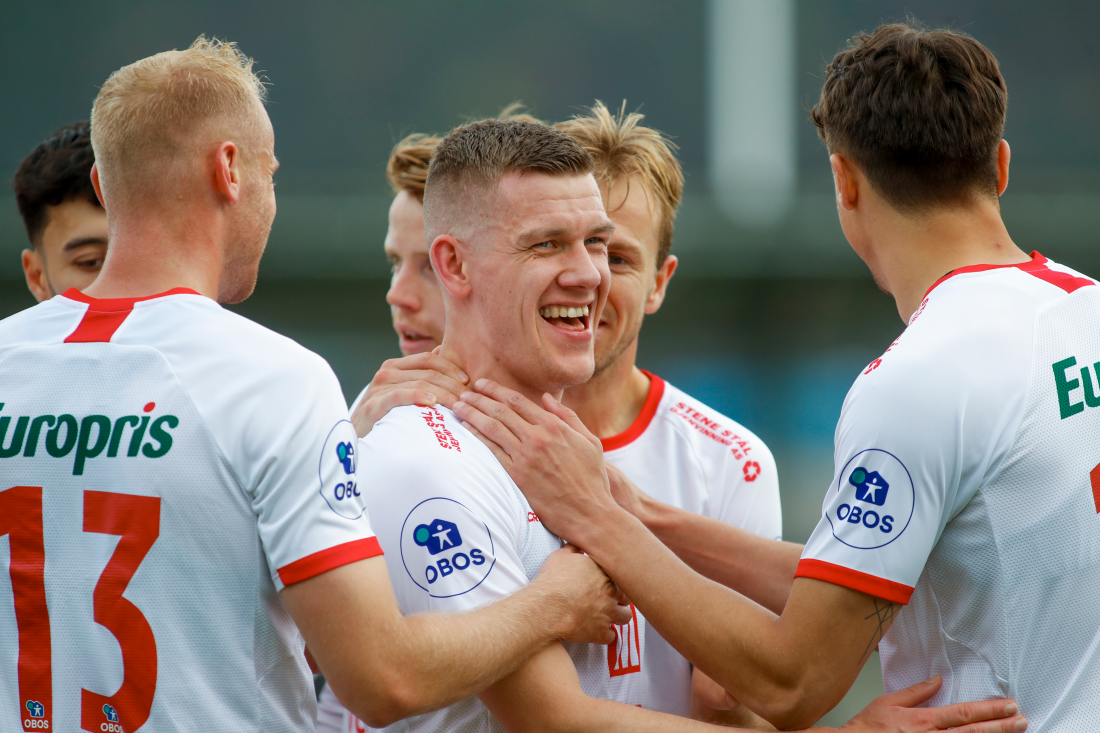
(478,154)
(623,147)
(58,170)
(920,112)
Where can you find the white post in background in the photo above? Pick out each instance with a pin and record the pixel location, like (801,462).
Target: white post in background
(752,151)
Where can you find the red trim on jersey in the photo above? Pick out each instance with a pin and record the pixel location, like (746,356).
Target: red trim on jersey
(104,316)
(649,409)
(1037,267)
(329,559)
(872,585)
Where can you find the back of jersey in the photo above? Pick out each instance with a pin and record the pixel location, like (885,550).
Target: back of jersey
(1044,508)
(146,518)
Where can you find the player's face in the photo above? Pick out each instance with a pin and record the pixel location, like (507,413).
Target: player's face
(541,257)
(251,225)
(414,297)
(71,253)
(637,286)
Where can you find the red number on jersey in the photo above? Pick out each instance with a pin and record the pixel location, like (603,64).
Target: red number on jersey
(1094,478)
(21,518)
(625,655)
(137,520)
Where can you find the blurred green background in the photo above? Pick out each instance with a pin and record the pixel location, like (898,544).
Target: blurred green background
(767,323)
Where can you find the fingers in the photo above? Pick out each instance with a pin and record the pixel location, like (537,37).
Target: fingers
(427,361)
(568,417)
(994,712)
(1015,724)
(483,416)
(914,695)
(621,615)
(376,406)
(502,456)
(522,407)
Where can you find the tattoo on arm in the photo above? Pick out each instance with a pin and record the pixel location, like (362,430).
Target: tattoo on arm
(884,613)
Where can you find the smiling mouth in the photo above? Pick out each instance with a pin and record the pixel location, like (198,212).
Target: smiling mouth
(569,318)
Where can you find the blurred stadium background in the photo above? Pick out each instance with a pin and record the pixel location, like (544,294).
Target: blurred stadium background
(771,315)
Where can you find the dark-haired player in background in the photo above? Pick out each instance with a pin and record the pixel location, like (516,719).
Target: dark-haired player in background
(65,222)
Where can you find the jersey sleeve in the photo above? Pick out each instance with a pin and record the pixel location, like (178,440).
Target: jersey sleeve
(745,490)
(445,510)
(309,505)
(897,463)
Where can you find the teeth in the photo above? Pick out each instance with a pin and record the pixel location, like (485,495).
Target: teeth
(554,311)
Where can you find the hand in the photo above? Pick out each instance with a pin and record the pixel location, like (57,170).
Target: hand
(421,379)
(896,713)
(589,601)
(548,452)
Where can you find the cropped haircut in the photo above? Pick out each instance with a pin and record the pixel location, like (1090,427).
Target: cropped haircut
(407,169)
(920,112)
(478,154)
(621,147)
(58,170)
(147,115)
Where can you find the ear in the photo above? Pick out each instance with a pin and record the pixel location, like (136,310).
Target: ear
(845,180)
(96,186)
(34,269)
(227,171)
(1004,154)
(449,262)
(657,295)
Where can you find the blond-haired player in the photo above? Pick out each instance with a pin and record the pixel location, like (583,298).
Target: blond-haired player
(179,487)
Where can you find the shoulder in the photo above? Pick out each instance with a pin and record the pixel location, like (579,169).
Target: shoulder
(46,323)
(707,432)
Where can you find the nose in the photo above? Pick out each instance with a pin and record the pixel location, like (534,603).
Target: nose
(585,268)
(402,293)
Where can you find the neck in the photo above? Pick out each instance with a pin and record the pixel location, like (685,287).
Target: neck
(610,402)
(152,254)
(478,361)
(912,253)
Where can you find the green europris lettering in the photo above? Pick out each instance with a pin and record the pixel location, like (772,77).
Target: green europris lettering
(1064,387)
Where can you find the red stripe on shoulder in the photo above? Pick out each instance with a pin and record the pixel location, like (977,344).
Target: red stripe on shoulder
(645,417)
(104,316)
(329,559)
(1036,266)
(872,585)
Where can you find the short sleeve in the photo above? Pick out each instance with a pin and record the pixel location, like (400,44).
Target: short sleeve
(896,475)
(745,490)
(445,510)
(308,501)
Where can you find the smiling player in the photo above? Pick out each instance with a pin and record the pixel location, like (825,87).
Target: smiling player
(65,222)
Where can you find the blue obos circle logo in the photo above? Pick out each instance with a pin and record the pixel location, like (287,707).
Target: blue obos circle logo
(873,502)
(336,470)
(447,551)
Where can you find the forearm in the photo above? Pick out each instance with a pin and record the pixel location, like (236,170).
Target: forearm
(769,664)
(757,567)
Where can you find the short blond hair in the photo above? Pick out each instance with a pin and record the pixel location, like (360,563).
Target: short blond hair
(145,115)
(622,147)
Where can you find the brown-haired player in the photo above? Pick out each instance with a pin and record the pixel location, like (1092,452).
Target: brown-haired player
(961,520)
(65,222)
(180,488)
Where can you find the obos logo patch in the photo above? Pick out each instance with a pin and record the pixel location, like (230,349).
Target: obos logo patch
(873,502)
(336,470)
(446,550)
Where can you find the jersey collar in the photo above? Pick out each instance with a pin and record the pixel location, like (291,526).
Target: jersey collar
(112,305)
(1037,262)
(649,409)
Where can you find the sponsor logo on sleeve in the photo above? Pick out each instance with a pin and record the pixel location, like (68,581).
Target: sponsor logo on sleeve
(873,502)
(336,470)
(447,551)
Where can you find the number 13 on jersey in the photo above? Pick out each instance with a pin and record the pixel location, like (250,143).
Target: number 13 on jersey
(136,519)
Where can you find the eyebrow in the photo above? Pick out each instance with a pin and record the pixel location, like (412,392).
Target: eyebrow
(82,242)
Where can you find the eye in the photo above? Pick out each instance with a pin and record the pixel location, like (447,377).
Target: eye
(593,242)
(92,264)
(395,264)
(617,260)
(544,245)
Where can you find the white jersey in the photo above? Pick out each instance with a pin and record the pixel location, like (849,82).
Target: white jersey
(166,466)
(967,485)
(683,453)
(679,451)
(458,534)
